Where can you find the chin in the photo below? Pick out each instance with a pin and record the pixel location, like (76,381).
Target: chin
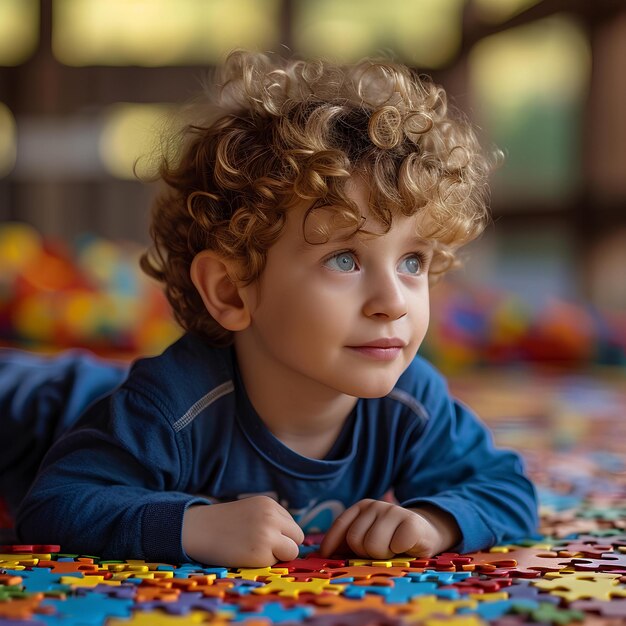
(376,389)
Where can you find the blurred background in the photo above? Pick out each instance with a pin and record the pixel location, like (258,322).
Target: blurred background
(85,86)
(531,331)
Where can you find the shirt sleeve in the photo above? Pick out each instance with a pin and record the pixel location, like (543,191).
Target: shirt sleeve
(113,485)
(41,398)
(453,464)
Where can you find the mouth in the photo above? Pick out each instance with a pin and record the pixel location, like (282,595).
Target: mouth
(392,342)
(380,350)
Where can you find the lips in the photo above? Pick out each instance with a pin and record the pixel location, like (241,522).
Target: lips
(380,350)
(392,342)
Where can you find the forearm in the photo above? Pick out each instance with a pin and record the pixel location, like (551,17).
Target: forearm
(487,511)
(116,522)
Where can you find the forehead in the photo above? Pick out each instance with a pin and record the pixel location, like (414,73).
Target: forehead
(322,224)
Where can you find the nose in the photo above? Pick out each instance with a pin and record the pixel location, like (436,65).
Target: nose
(385,299)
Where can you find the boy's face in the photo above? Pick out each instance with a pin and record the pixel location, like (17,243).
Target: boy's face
(348,316)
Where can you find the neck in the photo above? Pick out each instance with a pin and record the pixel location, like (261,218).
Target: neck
(303,414)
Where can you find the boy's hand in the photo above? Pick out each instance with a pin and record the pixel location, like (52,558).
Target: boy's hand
(380,530)
(253,532)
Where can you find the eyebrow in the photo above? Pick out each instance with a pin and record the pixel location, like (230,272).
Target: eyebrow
(414,240)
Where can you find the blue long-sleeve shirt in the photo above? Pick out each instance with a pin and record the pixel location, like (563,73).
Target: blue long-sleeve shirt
(181,430)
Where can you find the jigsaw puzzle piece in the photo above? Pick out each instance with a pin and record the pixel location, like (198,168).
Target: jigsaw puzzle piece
(366,572)
(525,590)
(573,588)
(363,617)
(465,620)
(615,608)
(550,614)
(291,589)
(275,612)
(157,618)
(402,591)
(30,548)
(610,562)
(91,609)
(258,572)
(524,562)
(311,563)
(40,579)
(185,603)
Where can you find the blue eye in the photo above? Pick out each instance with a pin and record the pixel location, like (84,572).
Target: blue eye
(412,265)
(342,262)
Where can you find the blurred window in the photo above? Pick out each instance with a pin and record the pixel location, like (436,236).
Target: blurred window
(424,33)
(528,87)
(160,32)
(501,10)
(133,137)
(8,140)
(19,30)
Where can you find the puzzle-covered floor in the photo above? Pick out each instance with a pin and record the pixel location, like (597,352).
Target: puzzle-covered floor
(572,433)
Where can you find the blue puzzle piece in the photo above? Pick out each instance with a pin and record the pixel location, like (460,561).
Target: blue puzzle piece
(304,550)
(41,579)
(243,587)
(187,569)
(91,610)
(276,613)
(402,591)
(359,591)
(443,578)
(492,610)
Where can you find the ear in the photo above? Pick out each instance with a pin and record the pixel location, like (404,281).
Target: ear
(211,275)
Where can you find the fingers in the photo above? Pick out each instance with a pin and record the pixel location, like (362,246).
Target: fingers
(405,536)
(379,540)
(293,531)
(285,549)
(336,535)
(374,529)
(366,532)
(371,534)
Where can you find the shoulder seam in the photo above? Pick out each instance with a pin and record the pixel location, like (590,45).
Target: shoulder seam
(411,402)
(204,402)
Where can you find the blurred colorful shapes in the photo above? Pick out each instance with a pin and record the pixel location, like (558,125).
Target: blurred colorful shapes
(98,258)
(476,327)
(34,318)
(425,33)
(160,32)
(79,312)
(156,333)
(50,271)
(563,332)
(8,137)
(19,30)
(93,295)
(19,244)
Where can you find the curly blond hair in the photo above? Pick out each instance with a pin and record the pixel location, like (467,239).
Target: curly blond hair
(272,133)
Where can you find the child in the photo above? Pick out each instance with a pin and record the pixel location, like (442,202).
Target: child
(296,237)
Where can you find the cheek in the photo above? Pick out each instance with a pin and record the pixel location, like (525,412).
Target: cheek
(421,313)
